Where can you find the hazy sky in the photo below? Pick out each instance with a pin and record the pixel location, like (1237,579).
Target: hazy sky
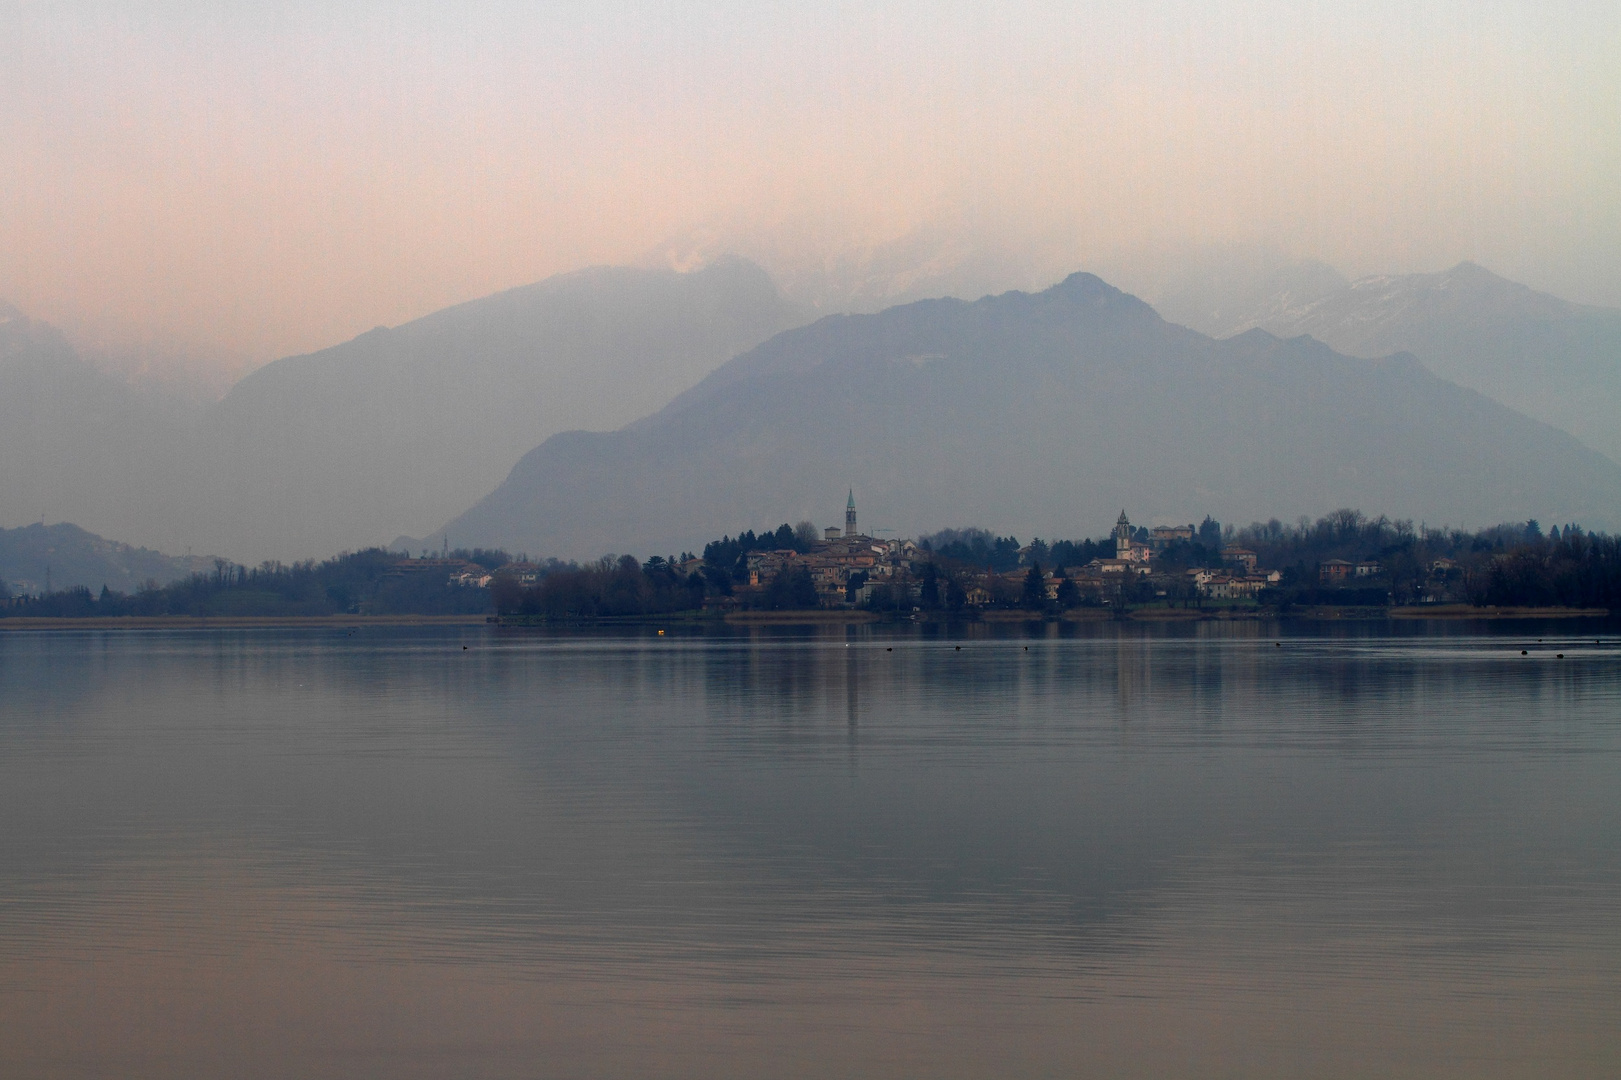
(249,180)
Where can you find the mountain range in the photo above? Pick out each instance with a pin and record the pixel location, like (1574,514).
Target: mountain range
(1048,411)
(79,444)
(400,427)
(1551,359)
(390,432)
(1030,410)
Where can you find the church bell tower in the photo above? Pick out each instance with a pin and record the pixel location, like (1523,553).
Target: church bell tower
(850,515)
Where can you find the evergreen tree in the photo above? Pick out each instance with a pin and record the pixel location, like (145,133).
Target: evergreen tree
(1068,594)
(1034,595)
(929,591)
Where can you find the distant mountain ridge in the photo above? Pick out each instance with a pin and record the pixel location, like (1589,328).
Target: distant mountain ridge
(1556,361)
(403,427)
(363,441)
(1045,412)
(65,556)
(1225,296)
(390,432)
(79,444)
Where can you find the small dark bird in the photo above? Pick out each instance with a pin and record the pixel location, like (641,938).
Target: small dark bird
(889,650)
(959,648)
(1524,653)
(464,648)
(1558,656)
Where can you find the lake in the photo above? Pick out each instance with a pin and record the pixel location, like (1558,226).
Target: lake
(1207,850)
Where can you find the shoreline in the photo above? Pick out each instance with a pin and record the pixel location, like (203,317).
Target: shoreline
(819,617)
(822,617)
(234,622)
(1464,611)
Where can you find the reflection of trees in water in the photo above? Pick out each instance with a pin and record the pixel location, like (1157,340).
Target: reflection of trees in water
(785,686)
(1004,782)
(992,778)
(1132,673)
(781,684)
(852,691)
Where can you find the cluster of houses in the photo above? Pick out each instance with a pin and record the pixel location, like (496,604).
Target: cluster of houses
(847,567)
(1341,571)
(1238,577)
(456,571)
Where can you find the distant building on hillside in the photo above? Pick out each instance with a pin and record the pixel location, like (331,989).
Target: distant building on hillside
(1161,537)
(1334,571)
(1116,566)
(1240,555)
(524,573)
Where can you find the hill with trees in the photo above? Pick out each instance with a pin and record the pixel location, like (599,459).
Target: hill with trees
(371,582)
(43,558)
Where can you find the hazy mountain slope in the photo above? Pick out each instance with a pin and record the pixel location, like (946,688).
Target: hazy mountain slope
(402,427)
(391,432)
(1044,413)
(1556,361)
(1221,296)
(70,556)
(79,444)
(949,254)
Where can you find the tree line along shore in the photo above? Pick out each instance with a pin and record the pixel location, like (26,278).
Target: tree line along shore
(1343,564)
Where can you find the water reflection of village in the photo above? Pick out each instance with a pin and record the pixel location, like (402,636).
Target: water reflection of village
(874,681)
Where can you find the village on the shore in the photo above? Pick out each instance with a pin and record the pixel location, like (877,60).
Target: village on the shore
(849,569)
(1344,561)
(1171,566)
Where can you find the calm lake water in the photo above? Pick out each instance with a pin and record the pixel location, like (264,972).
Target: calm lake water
(1199,851)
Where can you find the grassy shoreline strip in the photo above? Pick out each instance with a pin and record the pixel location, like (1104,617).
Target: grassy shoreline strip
(800,618)
(1464,611)
(234,622)
(819,617)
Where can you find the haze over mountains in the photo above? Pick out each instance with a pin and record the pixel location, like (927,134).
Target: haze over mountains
(1048,411)
(1556,361)
(80,445)
(38,558)
(400,427)
(1044,411)
(391,432)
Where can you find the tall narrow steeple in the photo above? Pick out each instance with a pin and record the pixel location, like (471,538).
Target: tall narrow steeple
(850,515)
